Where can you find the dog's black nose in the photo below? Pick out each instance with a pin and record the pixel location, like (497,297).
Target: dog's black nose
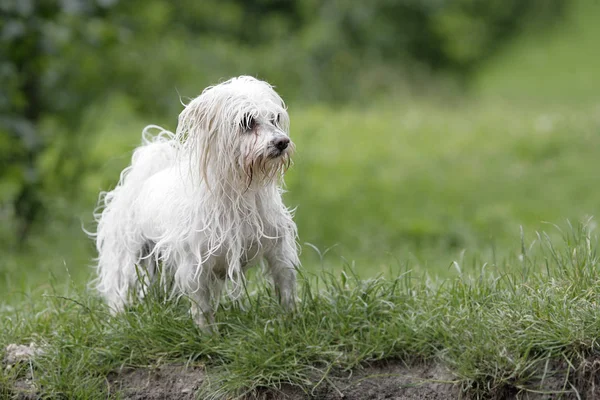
(281,143)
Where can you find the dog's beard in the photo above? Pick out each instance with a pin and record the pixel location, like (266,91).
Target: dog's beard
(267,166)
(275,153)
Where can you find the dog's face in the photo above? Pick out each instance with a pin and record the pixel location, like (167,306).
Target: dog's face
(264,144)
(240,127)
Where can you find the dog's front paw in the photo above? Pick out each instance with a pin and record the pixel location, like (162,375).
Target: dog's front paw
(205,321)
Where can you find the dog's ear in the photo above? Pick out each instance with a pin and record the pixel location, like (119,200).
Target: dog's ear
(194,119)
(197,131)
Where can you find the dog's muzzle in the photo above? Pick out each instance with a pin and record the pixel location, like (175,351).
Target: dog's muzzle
(279,144)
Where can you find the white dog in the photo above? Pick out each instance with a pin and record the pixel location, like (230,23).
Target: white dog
(204,203)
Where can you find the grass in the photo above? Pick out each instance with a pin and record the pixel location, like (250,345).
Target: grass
(497,332)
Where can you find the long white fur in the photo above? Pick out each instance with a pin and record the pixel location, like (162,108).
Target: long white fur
(203,203)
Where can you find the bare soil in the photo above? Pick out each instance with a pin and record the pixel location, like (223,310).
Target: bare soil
(383,380)
(165,382)
(391,380)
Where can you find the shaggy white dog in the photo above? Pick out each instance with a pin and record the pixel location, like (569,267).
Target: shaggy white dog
(204,203)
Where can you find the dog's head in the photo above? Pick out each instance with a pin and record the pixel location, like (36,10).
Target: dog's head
(237,130)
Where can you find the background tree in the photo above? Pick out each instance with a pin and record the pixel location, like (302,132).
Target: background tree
(52,66)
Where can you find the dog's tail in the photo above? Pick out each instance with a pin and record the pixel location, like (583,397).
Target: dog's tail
(119,243)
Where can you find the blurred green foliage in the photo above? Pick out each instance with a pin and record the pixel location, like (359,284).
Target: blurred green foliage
(60,58)
(336,50)
(50,70)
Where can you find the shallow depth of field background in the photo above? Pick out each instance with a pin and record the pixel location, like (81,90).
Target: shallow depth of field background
(427,132)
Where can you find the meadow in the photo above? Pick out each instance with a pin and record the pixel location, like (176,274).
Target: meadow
(448,230)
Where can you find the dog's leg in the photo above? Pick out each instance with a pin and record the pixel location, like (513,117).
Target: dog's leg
(201,309)
(205,302)
(205,291)
(281,259)
(116,302)
(147,269)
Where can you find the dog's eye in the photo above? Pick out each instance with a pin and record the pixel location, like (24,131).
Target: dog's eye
(275,120)
(248,122)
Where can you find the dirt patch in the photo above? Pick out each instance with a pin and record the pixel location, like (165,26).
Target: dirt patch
(17,359)
(392,380)
(397,381)
(164,382)
(18,353)
(381,381)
